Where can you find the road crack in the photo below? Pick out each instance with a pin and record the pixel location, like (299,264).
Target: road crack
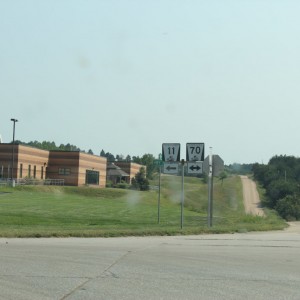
(104,274)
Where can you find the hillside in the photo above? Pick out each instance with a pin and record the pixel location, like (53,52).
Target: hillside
(34,211)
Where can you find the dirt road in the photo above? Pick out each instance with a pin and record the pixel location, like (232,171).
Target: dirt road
(251,197)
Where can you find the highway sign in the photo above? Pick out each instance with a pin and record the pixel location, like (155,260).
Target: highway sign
(170,168)
(171,152)
(195,167)
(195,151)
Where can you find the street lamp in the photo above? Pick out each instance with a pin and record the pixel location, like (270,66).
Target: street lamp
(13,153)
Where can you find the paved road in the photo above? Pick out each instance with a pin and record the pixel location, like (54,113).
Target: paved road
(232,266)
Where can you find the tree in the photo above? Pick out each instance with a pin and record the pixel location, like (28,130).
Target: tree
(279,189)
(110,157)
(222,176)
(102,153)
(148,161)
(280,178)
(120,157)
(289,208)
(140,181)
(136,159)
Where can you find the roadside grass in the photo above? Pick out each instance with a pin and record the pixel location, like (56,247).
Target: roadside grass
(46,211)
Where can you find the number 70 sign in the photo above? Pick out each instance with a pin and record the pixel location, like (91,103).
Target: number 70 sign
(195,151)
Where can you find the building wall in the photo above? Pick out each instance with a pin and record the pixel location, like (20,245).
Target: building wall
(31,162)
(5,160)
(73,165)
(64,165)
(92,163)
(28,161)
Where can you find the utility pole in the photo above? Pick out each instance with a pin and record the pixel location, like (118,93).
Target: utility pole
(13,153)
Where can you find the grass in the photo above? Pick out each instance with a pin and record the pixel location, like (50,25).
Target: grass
(45,211)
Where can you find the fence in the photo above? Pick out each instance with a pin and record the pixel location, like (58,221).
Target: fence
(29,181)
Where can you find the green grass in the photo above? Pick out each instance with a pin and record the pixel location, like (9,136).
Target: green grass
(36,211)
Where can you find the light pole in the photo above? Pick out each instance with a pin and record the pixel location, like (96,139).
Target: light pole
(13,153)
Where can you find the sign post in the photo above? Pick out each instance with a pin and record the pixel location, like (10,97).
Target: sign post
(210,190)
(182,193)
(158,202)
(158,162)
(171,158)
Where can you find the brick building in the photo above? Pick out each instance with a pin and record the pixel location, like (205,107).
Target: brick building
(74,167)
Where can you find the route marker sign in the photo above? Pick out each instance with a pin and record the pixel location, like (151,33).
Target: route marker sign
(170,168)
(195,167)
(195,151)
(171,152)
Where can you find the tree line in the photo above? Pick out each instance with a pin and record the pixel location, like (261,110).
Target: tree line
(280,178)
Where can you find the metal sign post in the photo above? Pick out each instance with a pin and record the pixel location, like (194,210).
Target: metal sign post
(158,202)
(210,190)
(158,162)
(182,193)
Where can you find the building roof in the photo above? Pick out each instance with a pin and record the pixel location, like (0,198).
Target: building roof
(113,170)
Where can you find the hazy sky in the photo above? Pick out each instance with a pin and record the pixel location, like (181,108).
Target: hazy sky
(128,75)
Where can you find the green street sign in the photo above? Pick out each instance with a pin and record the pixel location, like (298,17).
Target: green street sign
(158,162)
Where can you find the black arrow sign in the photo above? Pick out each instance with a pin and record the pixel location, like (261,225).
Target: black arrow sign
(170,168)
(195,168)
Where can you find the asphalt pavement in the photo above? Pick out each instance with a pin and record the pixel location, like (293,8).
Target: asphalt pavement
(230,266)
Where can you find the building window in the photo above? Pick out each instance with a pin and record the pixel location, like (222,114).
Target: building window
(92,177)
(42,172)
(64,171)
(29,171)
(21,171)
(34,171)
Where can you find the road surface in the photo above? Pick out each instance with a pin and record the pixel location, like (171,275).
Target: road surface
(230,266)
(251,197)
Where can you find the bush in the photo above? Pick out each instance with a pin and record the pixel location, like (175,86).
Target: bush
(279,189)
(289,208)
(122,185)
(109,184)
(140,181)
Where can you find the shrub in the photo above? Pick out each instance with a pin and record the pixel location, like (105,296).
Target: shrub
(140,181)
(122,185)
(289,208)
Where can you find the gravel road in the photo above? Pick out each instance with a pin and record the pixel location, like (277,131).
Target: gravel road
(251,197)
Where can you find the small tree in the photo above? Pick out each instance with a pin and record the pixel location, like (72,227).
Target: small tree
(140,181)
(222,176)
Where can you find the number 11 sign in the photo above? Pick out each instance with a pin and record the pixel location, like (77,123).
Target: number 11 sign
(171,152)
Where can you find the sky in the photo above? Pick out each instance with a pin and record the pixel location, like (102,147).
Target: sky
(127,76)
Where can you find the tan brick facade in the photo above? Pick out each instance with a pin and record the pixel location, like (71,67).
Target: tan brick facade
(74,167)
